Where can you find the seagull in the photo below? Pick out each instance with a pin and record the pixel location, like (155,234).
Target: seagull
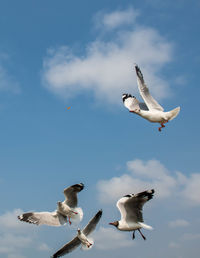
(81,237)
(149,110)
(130,207)
(65,210)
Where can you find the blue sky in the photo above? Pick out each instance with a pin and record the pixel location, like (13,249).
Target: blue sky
(56,54)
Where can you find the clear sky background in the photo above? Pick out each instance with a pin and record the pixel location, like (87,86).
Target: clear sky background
(80,54)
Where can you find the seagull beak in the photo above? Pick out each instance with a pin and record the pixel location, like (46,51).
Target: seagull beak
(111,223)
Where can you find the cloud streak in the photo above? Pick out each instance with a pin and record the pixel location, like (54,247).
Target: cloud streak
(107,239)
(14,236)
(178,223)
(106,67)
(7,82)
(116,19)
(151,174)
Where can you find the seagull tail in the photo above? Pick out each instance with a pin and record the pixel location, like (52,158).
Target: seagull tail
(85,247)
(173,113)
(76,218)
(145,226)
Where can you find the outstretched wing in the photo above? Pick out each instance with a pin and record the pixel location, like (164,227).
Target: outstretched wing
(71,194)
(144,92)
(130,206)
(43,218)
(74,243)
(67,248)
(92,223)
(132,103)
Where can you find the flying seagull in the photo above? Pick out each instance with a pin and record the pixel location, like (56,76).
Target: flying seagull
(65,210)
(130,207)
(149,110)
(81,237)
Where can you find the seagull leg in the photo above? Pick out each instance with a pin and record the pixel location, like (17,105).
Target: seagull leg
(69,220)
(162,126)
(89,244)
(142,234)
(133,236)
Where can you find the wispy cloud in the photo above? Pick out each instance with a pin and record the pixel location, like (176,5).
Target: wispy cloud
(107,239)
(174,245)
(178,223)
(190,236)
(7,81)
(43,247)
(15,236)
(151,174)
(106,67)
(116,19)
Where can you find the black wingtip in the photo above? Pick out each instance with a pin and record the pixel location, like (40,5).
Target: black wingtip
(139,73)
(136,66)
(99,213)
(147,193)
(80,186)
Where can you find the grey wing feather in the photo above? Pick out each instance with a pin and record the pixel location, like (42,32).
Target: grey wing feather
(134,210)
(143,106)
(43,218)
(131,206)
(144,92)
(92,223)
(128,212)
(67,248)
(71,194)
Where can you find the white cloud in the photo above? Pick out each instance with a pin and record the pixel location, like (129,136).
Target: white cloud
(108,238)
(191,236)
(178,223)
(15,236)
(106,68)
(174,245)
(9,243)
(191,190)
(16,256)
(9,220)
(115,19)
(7,83)
(43,247)
(148,175)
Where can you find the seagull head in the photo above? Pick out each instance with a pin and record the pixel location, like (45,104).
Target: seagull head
(115,223)
(79,231)
(125,96)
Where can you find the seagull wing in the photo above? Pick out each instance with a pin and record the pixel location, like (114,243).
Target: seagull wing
(143,106)
(144,92)
(71,194)
(132,104)
(67,248)
(43,218)
(74,243)
(92,223)
(130,206)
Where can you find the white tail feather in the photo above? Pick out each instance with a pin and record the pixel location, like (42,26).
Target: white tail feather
(76,218)
(173,113)
(86,248)
(145,226)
